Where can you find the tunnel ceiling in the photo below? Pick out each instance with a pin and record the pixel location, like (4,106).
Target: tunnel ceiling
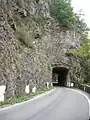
(60,69)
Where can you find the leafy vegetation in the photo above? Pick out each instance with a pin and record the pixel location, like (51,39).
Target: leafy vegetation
(19,99)
(39,19)
(81,26)
(22,32)
(18,20)
(62,11)
(24,36)
(84,50)
(24,25)
(83,54)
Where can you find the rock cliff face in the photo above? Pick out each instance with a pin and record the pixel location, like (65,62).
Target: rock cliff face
(31,45)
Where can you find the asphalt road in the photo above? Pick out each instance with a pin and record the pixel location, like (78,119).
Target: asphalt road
(62,104)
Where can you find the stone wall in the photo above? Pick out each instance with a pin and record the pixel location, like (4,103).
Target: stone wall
(20,65)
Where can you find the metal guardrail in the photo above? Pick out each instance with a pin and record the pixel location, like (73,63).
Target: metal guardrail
(84,87)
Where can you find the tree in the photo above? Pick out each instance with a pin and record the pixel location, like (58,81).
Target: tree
(81,26)
(84,50)
(84,53)
(62,11)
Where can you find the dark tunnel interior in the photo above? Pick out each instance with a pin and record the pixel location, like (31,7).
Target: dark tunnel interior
(59,76)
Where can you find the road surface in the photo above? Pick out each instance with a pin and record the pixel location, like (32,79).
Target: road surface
(62,104)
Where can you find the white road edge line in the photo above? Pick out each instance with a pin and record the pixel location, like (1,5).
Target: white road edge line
(17,104)
(85,97)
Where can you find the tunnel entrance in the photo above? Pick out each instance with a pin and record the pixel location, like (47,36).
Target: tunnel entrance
(59,76)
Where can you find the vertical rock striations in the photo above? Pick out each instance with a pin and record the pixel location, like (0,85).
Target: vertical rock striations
(31,44)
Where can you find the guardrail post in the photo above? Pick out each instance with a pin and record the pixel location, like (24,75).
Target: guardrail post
(84,88)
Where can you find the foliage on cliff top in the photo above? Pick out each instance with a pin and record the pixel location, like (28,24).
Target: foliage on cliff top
(63,12)
(80,26)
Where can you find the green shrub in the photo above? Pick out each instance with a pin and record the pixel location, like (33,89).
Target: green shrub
(62,11)
(70,52)
(18,20)
(24,36)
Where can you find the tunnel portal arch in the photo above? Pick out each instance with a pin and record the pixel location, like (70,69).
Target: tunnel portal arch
(59,76)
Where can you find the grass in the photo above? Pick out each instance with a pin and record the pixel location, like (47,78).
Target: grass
(25,27)
(22,33)
(39,19)
(87,83)
(19,99)
(18,20)
(23,36)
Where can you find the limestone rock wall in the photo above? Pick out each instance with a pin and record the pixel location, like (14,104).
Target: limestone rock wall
(20,65)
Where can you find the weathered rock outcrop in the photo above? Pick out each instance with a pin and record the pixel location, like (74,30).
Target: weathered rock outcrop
(21,65)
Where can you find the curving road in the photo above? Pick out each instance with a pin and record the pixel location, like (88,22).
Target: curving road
(62,104)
